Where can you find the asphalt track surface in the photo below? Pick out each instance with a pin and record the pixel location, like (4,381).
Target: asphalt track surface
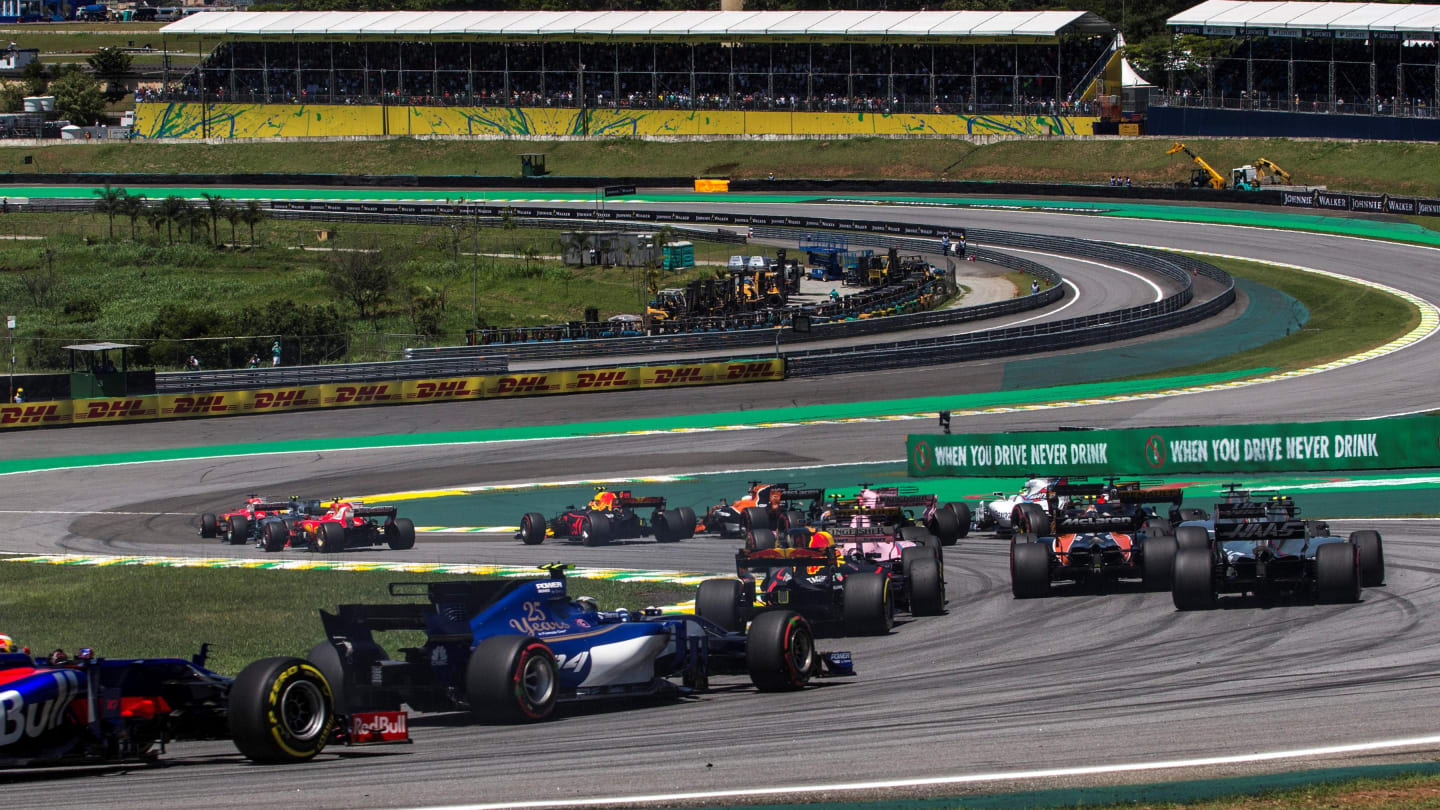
(994,686)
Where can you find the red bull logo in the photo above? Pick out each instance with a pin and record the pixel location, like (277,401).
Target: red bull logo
(212,403)
(345,394)
(115,409)
(21,717)
(688,375)
(523,385)
(28,414)
(602,379)
(449,389)
(749,371)
(371,727)
(278,400)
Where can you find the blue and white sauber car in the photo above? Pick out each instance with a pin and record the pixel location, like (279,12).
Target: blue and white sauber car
(509,650)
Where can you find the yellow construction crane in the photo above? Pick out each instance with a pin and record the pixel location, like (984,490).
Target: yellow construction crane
(1268,167)
(1203,174)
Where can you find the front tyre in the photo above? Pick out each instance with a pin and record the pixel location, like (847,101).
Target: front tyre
(780,651)
(281,710)
(276,536)
(594,529)
(512,679)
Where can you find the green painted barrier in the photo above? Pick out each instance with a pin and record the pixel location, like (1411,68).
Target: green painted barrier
(1379,444)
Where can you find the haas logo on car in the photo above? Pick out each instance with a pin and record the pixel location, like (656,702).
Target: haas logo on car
(273,400)
(677,376)
(602,379)
(19,718)
(748,371)
(362,393)
(213,403)
(522,385)
(27,414)
(115,409)
(450,389)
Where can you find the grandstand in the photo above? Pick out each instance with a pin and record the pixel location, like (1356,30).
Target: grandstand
(1371,59)
(935,71)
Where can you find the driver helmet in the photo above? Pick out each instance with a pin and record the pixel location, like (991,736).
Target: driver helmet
(821,539)
(85,654)
(604,501)
(869,498)
(1036,486)
(58,657)
(799,537)
(587,603)
(7,644)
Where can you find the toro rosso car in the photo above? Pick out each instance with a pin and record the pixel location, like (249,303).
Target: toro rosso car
(510,650)
(1261,546)
(611,516)
(347,524)
(777,507)
(92,711)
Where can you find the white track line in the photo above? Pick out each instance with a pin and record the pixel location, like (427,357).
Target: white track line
(1159,294)
(1052,312)
(967,779)
(1403,413)
(61,512)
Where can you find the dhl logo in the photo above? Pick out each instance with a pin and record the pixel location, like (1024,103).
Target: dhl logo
(27,414)
(603,379)
(521,385)
(678,376)
(443,390)
(213,403)
(275,400)
(362,393)
(117,409)
(748,371)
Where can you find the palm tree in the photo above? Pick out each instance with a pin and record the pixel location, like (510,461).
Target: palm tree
(133,206)
(154,217)
(172,210)
(235,214)
(252,215)
(216,206)
(109,203)
(196,219)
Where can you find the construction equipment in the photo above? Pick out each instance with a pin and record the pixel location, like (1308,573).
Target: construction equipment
(1203,175)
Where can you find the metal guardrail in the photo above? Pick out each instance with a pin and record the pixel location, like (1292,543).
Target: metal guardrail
(175,382)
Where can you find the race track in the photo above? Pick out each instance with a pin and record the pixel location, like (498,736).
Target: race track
(995,686)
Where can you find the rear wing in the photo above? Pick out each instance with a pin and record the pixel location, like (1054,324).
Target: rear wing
(771,559)
(854,534)
(907,500)
(886,512)
(630,502)
(376,511)
(1173,495)
(1090,523)
(1258,529)
(273,506)
(802,494)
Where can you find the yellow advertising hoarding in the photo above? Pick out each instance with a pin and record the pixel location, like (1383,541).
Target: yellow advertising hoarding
(389,392)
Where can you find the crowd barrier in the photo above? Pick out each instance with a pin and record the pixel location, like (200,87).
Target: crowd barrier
(387,392)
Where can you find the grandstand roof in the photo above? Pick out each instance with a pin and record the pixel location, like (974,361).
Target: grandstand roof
(1404,18)
(644,25)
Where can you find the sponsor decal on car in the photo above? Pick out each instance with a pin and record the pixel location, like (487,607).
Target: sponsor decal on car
(379,727)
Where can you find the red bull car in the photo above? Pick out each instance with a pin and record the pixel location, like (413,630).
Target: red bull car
(610,516)
(347,524)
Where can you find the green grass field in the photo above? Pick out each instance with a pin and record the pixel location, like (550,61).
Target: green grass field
(1399,168)
(123,611)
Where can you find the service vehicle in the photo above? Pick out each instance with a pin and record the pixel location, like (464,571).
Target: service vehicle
(348,524)
(88,710)
(610,515)
(509,650)
(1261,546)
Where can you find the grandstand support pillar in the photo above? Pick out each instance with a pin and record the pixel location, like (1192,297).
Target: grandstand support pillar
(890,80)
(850,72)
(470,73)
(299,88)
(165,66)
(616,74)
(729,76)
(1016,105)
(265,70)
(332,73)
(434,72)
(692,81)
(1332,78)
(1250,69)
(1210,83)
(931,77)
(769,73)
(1374,84)
(200,74)
(1290,81)
(508,97)
(232,75)
(1400,97)
(975,79)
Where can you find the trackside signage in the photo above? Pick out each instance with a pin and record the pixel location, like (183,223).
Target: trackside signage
(386,392)
(1381,444)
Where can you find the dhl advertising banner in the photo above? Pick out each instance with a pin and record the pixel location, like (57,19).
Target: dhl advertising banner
(1378,444)
(390,392)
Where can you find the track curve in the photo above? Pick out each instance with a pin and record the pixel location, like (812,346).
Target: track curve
(996,685)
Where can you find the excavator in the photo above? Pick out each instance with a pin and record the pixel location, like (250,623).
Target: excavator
(1251,176)
(1203,175)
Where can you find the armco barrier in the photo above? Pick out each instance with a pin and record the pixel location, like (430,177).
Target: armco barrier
(386,392)
(1376,444)
(173,382)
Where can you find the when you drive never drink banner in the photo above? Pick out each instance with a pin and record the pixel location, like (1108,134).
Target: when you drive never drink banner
(1381,444)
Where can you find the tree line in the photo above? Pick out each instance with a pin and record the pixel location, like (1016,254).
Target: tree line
(174,211)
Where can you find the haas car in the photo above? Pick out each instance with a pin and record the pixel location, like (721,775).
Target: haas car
(611,516)
(347,524)
(510,650)
(1093,534)
(1261,546)
(94,711)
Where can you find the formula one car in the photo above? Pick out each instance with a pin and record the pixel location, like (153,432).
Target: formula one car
(509,650)
(1105,503)
(854,596)
(93,710)
(610,516)
(347,524)
(1261,546)
(777,507)
(246,524)
(893,507)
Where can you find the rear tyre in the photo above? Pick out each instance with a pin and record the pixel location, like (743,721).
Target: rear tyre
(927,587)
(945,525)
(1192,586)
(780,651)
(276,536)
(755,517)
(867,607)
(1029,569)
(511,679)
(594,529)
(327,659)
(1158,562)
(762,540)
(664,528)
(963,516)
(793,519)
(721,601)
(1033,519)
(687,522)
(281,710)
(1193,514)
(209,526)
(238,531)
(1337,572)
(532,529)
(400,534)
(330,538)
(1155,527)
(1372,557)
(1193,537)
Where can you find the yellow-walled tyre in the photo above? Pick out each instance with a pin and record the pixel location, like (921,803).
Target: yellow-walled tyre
(281,710)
